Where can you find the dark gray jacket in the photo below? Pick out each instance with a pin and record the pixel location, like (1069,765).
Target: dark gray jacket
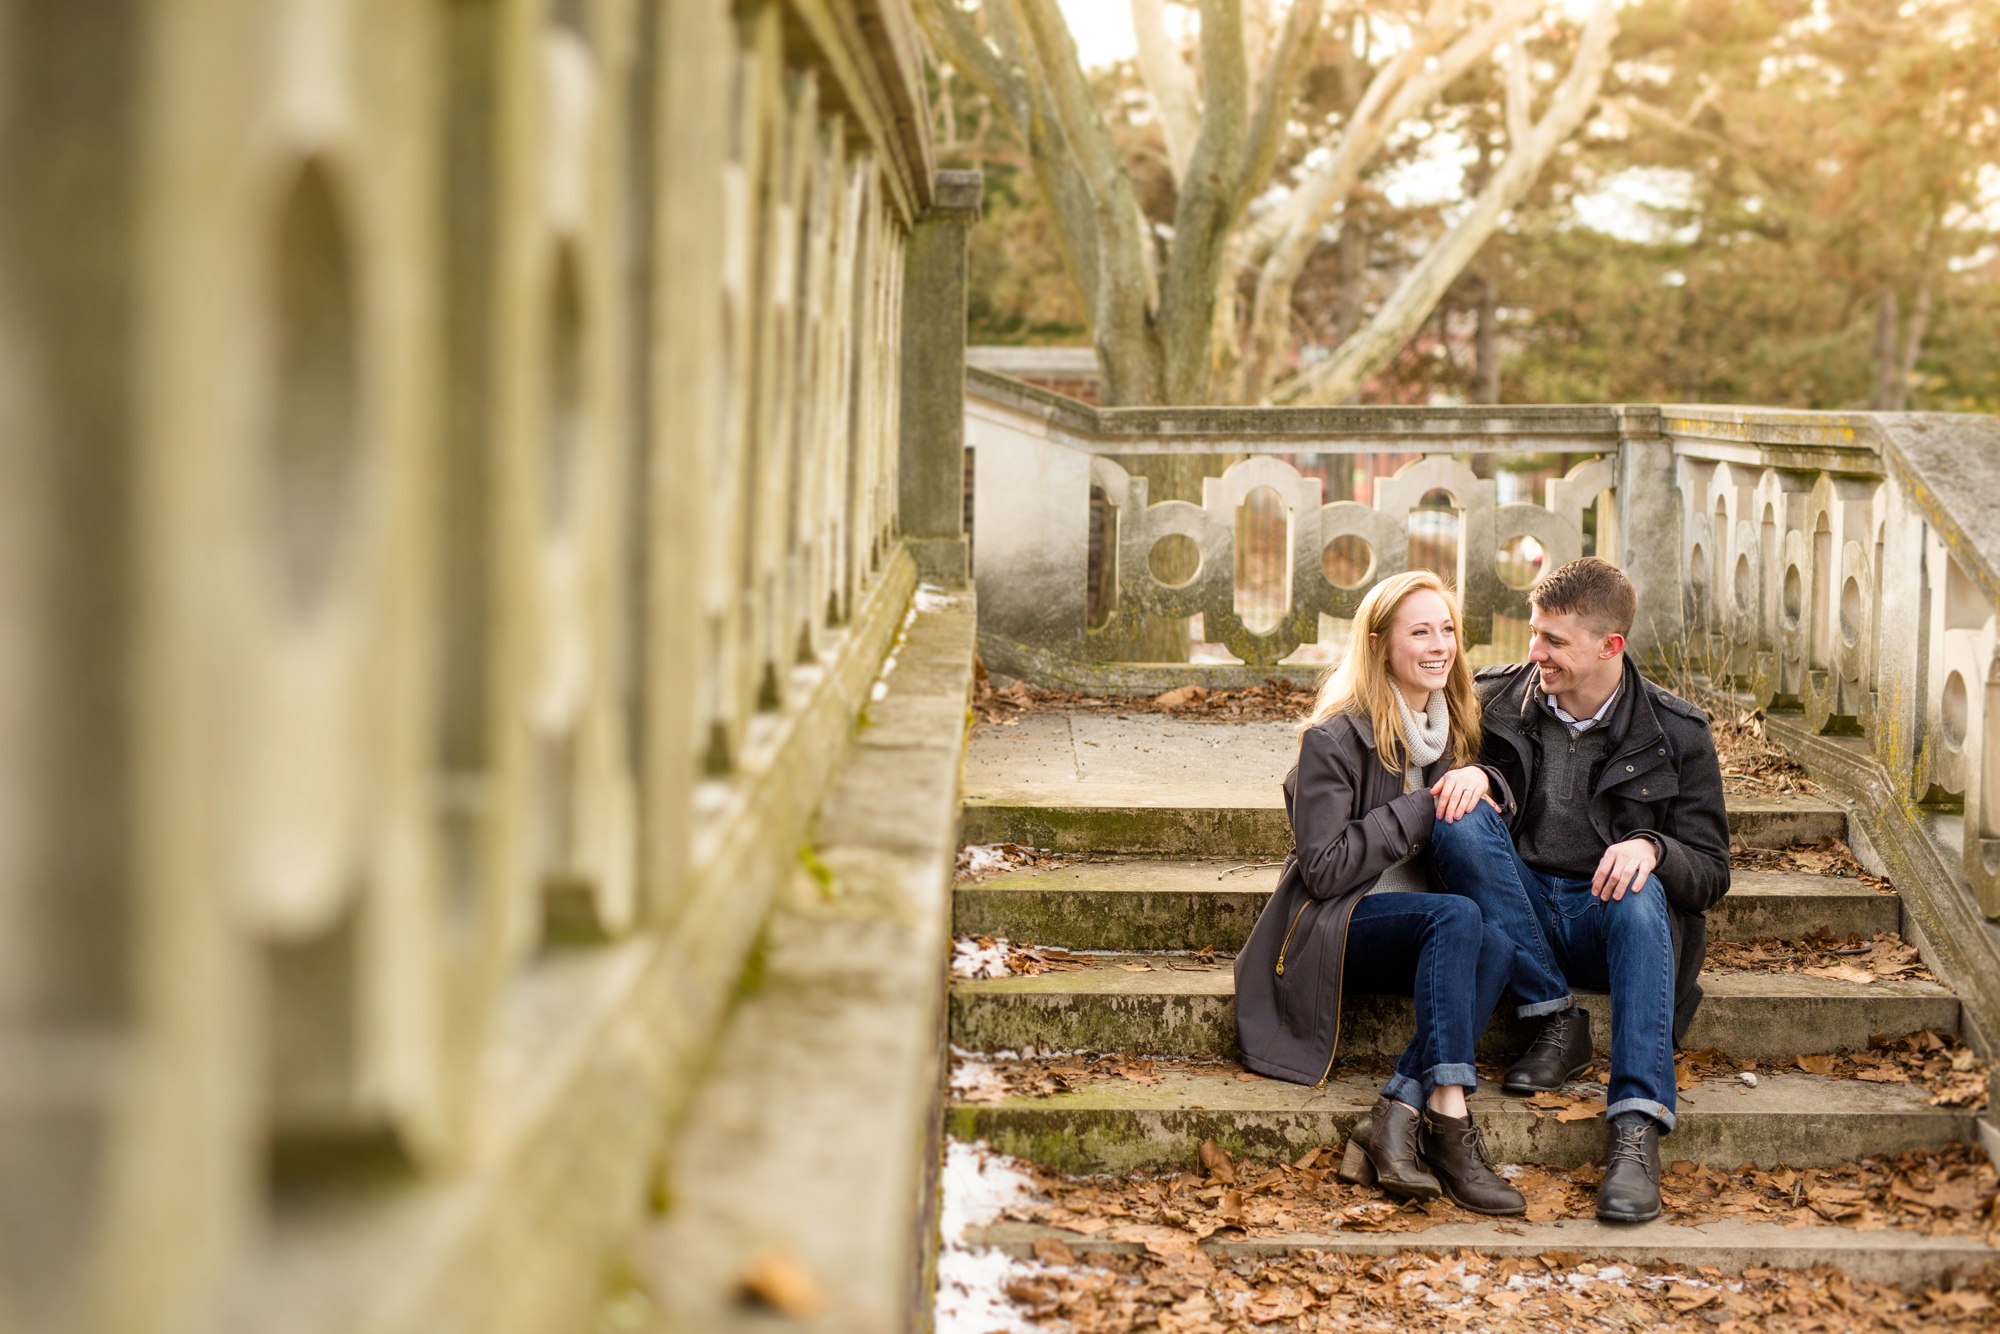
(1660,780)
(1351,821)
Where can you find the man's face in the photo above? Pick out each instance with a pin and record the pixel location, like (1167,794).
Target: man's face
(1569,654)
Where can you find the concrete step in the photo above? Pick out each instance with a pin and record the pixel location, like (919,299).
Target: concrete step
(1193,820)
(1902,1257)
(1804,1120)
(1181,1008)
(1190,904)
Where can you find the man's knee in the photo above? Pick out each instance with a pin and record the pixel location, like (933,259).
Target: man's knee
(1455,916)
(1474,830)
(1642,911)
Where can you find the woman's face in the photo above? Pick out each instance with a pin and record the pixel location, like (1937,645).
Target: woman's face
(1422,644)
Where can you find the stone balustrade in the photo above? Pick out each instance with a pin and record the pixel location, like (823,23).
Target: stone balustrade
(449,523)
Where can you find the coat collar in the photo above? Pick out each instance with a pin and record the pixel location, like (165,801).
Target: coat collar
(1633,723)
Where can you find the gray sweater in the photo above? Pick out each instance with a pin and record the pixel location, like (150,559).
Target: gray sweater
(1555,835)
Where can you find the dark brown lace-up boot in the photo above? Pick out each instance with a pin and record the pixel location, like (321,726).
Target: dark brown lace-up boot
(1453,1148)
(1559,1053)
(1382,1151)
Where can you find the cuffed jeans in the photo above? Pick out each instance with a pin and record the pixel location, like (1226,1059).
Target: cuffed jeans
(1564,937)
(1428,947)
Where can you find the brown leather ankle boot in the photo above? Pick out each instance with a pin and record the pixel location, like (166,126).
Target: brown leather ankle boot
(1382,1151)
(1453,1148)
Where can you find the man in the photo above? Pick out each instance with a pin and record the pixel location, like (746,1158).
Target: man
(1608,843)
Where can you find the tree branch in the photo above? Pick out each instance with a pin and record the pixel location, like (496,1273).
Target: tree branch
(959,45)
(1171,83)
(1337,379)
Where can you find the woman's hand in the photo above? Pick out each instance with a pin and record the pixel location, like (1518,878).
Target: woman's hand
(1459,791)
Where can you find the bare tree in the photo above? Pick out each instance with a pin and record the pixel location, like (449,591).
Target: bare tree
(1161,337)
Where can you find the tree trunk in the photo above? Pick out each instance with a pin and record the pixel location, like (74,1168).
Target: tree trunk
(1887,395)
(1486,344)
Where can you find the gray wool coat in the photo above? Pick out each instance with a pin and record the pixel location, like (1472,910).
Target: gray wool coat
(1351,821)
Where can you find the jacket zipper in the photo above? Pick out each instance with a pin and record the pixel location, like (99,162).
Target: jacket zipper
(1287,942)
(1335,1049)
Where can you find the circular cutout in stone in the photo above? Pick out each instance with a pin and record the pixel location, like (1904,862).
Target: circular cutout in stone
(1174,560)
(1953,710)
(1521,561)
(1347,561)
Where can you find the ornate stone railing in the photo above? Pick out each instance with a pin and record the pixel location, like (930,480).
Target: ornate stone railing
(450,517)
(1038,458)
(1842,573)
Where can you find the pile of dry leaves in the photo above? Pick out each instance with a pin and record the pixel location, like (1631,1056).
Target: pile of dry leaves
(1886,958)
(1274,701)
(977,861)
(1180,1289)
(1940,1062)
(1944,1192)
(994,1079)
(1753,764)
(1829,856)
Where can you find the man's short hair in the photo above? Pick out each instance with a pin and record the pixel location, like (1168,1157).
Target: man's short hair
(1594,591)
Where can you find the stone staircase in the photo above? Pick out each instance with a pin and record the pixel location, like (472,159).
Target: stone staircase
(1182,823)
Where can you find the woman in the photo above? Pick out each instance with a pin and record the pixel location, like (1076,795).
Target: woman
(1388,749)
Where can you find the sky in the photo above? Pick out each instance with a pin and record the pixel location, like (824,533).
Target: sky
(1102,29)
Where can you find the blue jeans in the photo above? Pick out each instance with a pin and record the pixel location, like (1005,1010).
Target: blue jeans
(1426,946)
(1565,937)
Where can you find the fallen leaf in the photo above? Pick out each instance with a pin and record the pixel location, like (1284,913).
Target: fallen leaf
(1216,1159)
(775,1280)
(1816,1065)
(1582,1110)
(1136,967)
(1052,1252)
(1842,972)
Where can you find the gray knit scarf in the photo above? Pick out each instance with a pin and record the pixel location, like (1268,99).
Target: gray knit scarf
(1424,738)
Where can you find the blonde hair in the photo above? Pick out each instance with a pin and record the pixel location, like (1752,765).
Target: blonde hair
(1360,685)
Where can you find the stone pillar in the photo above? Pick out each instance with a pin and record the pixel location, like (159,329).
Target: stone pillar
(932,452)
(1648,531)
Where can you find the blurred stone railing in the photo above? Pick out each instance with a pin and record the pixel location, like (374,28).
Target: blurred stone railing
(450,519)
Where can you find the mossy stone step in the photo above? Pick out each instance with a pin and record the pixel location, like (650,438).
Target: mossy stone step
(1804,1120)
(1902,1257)
(1179,820)
(1180,1008)
(1192,904)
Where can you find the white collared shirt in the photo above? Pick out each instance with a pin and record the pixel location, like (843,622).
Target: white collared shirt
(1581,725)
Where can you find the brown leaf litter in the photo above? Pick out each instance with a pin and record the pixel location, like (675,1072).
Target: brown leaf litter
(1752,763)
(1274,701)
(1885,957)
(1024,1076)
(1943,1192)
(1178,1288)
(1939,1062)
(1829,856)
(978,862)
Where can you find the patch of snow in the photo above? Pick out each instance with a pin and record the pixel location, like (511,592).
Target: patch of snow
(968,959)
(930,598)
(971,1283)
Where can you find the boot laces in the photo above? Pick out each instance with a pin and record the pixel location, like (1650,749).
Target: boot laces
(1552,1038)
(1628,1144)
(1475,1139)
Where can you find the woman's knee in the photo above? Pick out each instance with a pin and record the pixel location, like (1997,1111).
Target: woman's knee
(1454,917)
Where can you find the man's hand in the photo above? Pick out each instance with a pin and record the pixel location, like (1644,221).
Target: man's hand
(1624,866)
(1461,790)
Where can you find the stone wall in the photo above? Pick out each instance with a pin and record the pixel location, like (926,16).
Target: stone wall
(449,496)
